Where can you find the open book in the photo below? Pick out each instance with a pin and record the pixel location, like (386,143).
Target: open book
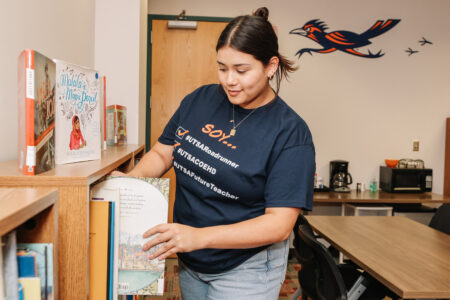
(143,204)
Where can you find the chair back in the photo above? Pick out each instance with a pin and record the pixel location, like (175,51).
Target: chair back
(319,275)
(441,219)
(305,257)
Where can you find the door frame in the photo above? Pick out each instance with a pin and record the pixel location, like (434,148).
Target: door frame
(152,17)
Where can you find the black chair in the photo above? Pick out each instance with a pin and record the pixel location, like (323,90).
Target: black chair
(441,219)
(321,278)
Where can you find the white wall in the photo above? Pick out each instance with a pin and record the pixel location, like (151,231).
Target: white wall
(120,54)
(59,29)
(361,110)
(358,109)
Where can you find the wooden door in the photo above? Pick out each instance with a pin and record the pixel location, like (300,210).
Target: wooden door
(182,60)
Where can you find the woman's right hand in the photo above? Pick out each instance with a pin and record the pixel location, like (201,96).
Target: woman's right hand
(117,173)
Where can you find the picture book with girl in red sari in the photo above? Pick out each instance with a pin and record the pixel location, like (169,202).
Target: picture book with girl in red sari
(77,112)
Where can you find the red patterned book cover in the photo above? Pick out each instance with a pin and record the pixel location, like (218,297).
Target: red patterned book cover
(36,109)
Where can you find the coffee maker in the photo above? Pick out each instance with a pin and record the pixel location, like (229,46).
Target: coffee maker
(339,176)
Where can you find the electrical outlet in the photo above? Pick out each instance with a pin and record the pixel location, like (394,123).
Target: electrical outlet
(415,145)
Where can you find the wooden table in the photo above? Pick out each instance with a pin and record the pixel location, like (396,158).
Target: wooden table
(379,197)
(73,183)
(411,259)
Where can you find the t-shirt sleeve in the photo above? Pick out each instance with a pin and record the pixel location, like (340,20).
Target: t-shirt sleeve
(290,182)
(168,135)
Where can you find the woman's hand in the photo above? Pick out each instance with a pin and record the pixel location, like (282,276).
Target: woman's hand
(176,238)
(117,173)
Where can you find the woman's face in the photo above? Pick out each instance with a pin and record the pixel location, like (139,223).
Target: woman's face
(244,78)
(77,124)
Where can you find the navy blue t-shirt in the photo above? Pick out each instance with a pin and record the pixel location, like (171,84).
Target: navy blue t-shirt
(224,179)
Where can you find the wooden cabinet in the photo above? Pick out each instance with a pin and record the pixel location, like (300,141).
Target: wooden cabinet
(32,212)
(73,182)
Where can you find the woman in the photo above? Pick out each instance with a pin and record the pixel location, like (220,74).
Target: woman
(245,165)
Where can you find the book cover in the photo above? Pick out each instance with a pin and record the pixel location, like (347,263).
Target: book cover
(116,125)
(44,260)
(31,288)
(26,263)
(111,195)
(77,113)
(99,235)
(11,275)
(36,113)
(143,204)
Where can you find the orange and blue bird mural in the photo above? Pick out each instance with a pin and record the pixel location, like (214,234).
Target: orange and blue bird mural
(342,40)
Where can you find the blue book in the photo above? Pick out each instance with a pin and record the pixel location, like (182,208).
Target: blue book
(27,264)
(20,291)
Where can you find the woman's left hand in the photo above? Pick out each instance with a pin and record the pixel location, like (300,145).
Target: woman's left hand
(176,238)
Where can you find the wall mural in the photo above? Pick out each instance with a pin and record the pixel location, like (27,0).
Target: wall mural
(342,40)
(422,42)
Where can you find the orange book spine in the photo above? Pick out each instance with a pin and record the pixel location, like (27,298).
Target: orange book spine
(28,92)
(98,249)
(104,112)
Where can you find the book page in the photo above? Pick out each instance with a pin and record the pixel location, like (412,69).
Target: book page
(143,204)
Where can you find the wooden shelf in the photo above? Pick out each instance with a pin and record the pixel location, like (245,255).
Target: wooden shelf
(74,174)
(20,204)
(73,183)
(32,212)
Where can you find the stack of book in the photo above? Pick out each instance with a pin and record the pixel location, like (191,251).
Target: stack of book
(27,269)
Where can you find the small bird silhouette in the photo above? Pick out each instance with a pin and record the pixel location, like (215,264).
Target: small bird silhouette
(341,40)
(411,51)
(424,41)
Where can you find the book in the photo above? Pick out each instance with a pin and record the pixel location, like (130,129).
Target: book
(11,275)
(27,265)
(116,125)
(99,239)
(43,253)
(36,113)
(31,288)
(143,204)
(111,195)
(103,89)
(20,289)
(77,113)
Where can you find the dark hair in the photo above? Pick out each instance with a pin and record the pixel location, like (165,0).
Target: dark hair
(253,34)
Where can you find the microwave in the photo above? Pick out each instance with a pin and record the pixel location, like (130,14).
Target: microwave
(403,180)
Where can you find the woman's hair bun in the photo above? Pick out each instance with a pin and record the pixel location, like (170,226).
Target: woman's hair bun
(262,12)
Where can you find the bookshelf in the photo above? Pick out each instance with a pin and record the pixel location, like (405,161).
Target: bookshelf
(32,212)
(73,182)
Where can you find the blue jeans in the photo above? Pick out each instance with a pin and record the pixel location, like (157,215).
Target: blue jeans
(260,277)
